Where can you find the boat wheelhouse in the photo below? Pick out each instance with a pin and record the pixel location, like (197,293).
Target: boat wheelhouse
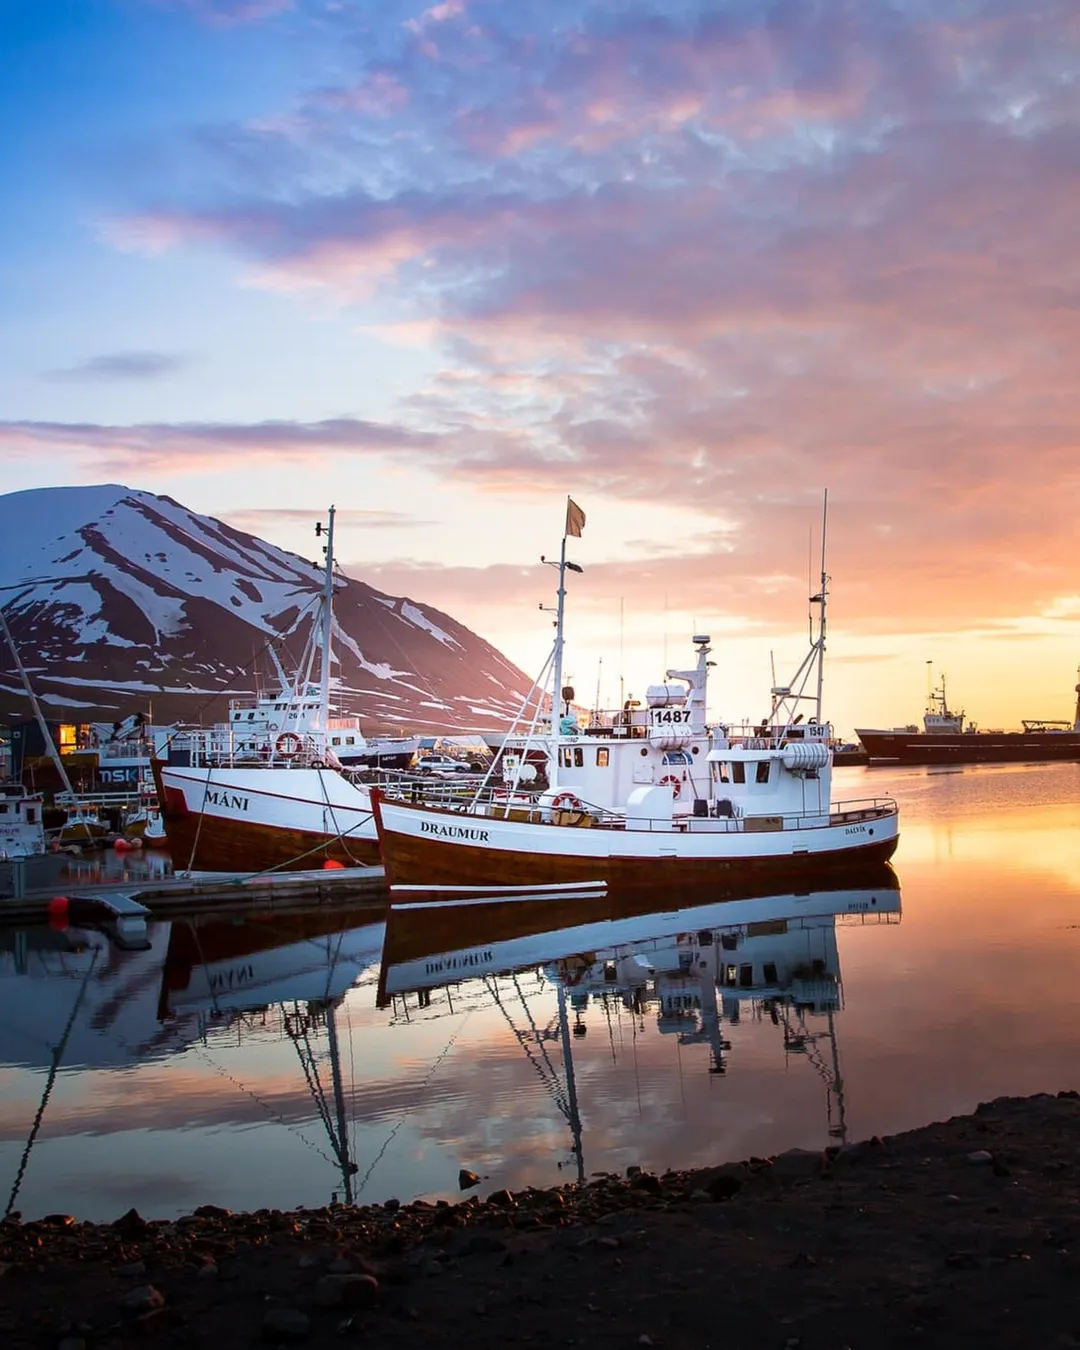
(22,828)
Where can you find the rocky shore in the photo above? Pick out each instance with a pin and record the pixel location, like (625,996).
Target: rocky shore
(961,1233)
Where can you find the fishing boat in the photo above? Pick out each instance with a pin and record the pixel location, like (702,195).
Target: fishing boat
(649,796)
(945,738)
(22,829)
(266,790)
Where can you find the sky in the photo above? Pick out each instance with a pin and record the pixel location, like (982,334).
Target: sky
(692,263)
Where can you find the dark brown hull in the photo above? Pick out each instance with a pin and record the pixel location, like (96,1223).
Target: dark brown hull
(976,747)
(450,871)
(206,843)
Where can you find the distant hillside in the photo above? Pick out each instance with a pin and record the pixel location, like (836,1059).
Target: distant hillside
(122,601)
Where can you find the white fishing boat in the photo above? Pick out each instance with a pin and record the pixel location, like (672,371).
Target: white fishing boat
(647,796)
(266,790)
(22,829)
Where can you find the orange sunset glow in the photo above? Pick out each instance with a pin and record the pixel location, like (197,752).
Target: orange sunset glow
(694,265)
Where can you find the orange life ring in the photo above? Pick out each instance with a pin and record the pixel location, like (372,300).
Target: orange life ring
(566,801)
(674,783)
(287,745)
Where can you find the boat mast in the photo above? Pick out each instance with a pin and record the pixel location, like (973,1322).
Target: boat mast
(46,734)
(822,596)
(575,521)
(1076,715)
(327,617)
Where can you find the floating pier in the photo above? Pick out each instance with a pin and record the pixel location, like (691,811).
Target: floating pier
(27,895)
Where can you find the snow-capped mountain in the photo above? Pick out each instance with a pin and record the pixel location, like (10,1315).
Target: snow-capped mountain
(121,601)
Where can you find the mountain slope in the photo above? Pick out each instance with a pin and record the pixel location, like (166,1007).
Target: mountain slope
(120,600)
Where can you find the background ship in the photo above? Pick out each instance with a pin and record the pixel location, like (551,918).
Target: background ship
(945,739)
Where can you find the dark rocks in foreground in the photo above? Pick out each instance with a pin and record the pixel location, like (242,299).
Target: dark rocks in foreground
(966,1232)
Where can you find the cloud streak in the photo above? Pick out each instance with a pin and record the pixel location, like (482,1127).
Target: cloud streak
(196,446)
(717,259)
(122,366)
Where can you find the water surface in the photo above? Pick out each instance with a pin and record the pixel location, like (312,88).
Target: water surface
(202,1070)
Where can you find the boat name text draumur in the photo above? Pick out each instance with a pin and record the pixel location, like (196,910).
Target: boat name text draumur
(453,831)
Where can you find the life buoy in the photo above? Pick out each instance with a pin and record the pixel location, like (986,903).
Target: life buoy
(287,745)
(566,801)
(272,726)
(675,784)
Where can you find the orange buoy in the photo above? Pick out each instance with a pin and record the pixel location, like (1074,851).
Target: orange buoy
(332,865)
(134,842)
(120,844)
(59,911)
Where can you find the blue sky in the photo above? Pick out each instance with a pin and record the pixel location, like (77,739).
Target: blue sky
(444,263)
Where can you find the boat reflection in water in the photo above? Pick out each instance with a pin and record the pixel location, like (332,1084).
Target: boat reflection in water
(699,969)
(71,999)
(254,1005)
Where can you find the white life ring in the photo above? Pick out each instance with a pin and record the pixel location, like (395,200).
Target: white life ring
(287,744)
(566,801)
(272,726)
(674,783)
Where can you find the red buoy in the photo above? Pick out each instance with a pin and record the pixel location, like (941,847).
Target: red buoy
(332,865)
(59,909)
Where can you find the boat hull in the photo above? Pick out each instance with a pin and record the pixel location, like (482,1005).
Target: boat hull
(974,747)
(438,856)
(251,820)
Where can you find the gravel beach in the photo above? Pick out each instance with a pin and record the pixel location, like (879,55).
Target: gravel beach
(965,1232)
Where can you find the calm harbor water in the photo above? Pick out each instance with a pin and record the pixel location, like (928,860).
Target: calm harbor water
(222,1064)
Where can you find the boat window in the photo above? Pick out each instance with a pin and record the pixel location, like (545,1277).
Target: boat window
(564,757)
(738,772)
(350,740)
(676,757)
(3,809)
(721,773)
(579,757)
(746,976)
(335,740)
(763,770)
(768,972)
(730,973)
(251,716)
(603,758)
(31,816)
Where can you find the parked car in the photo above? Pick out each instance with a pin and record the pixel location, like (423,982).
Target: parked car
(442,764)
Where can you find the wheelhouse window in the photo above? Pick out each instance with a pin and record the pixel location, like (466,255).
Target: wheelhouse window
(572,757)
(603,757)
(763,768)
(738,771)
(722,772)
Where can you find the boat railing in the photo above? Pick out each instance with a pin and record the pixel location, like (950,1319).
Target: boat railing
(532,808)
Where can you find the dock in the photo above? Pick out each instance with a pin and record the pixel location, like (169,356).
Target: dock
(36,897)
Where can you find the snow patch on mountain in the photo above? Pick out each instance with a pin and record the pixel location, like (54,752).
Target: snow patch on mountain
(412,615)
(106,581)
